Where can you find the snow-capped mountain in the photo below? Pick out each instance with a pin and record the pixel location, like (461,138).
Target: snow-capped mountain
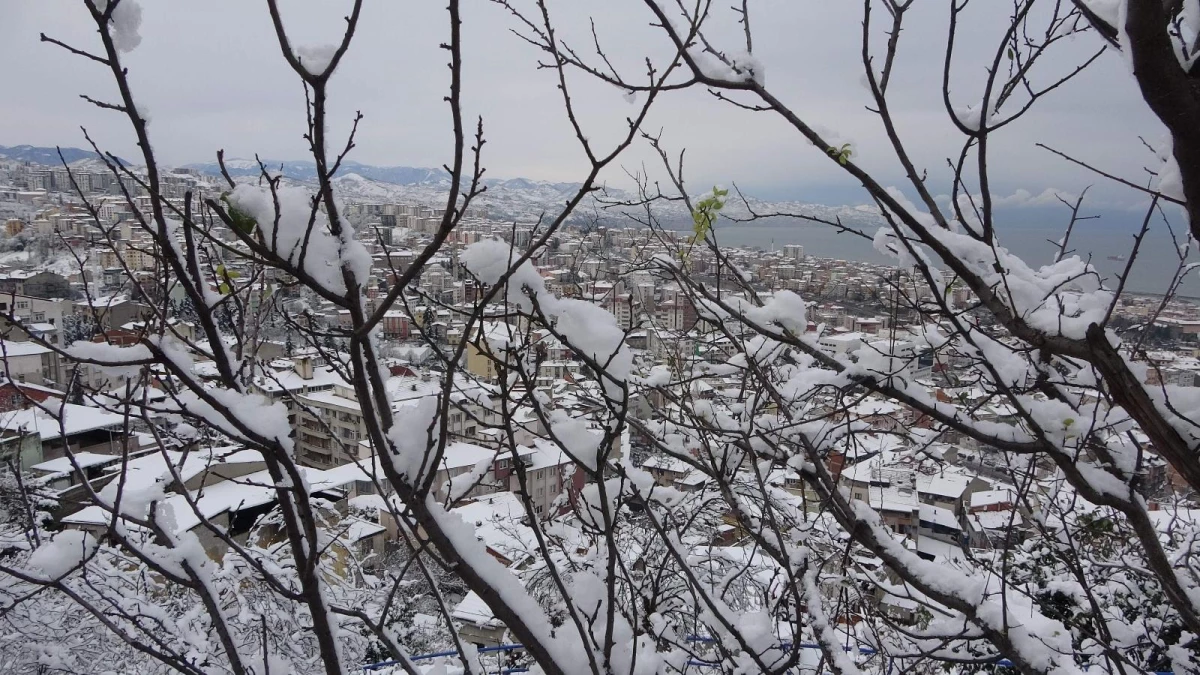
(46,156)
(306,170)
(526,200)
(518,199)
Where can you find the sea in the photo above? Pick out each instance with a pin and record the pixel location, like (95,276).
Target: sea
(1107,244)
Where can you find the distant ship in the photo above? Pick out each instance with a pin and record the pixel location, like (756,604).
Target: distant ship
(1117,258)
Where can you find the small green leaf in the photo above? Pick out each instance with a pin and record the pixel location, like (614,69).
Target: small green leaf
(244,222)
(705,212)
(842,154)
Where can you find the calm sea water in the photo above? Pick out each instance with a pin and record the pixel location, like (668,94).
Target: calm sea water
(1152,270)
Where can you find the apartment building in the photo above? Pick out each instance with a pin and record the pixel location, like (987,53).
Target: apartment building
(330,425)
(32,363)
(38,317)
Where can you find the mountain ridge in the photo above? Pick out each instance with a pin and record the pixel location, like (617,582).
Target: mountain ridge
(305,170)
(49,156)
(517,199)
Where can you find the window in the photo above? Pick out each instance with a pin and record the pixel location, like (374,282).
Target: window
(315,441)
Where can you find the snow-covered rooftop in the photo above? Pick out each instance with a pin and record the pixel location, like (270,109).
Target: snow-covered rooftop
(74,419)
(497,521)
(83,459)
(14,348)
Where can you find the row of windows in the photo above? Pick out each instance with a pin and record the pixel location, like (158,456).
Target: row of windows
(315,441)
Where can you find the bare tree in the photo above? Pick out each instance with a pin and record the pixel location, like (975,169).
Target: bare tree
(759,434)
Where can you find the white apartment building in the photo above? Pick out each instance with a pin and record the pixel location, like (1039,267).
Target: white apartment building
(458,461)
(330,427)
(30,362)
(41,318)
(840,344)
(549,472)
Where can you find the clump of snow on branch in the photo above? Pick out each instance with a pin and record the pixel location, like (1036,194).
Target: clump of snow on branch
(410,436)
(126,19)
(105,353)
(785,309)
(660,376)
(1169,180)
(316,59)
(241,415)
(598,509)
(1113,12)
(971,116)
(54,559)
(1062,298)
(589,329)
(594,332)
(748,66)
(458,486)
(112,360)
(490,259)
(1109,11)
(136,502)
(315,249)
(734,66)
(1188,24)
(581,443)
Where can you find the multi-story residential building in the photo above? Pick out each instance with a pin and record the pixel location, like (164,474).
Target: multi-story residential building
(38,317)
(110,311)
(467,470)
(395,325)
(32,363)
(329,423)
(293,378)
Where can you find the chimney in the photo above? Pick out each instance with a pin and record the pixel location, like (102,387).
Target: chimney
(304,367)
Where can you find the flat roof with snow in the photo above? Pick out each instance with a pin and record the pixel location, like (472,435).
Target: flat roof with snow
(72,419)
(83,459)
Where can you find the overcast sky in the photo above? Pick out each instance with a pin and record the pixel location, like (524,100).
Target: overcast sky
(210,76)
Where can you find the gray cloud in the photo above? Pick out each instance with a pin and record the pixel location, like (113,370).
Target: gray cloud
(211,77)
